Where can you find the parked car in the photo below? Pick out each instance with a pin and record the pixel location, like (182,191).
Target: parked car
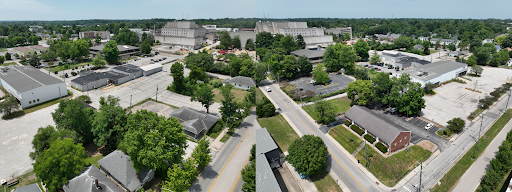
(392,110)
(397,69)
(429,126)
(365,65)
(268,89)
(302,176)
(390,73)
(390,67)
(377,69)
(164,58)
(312,82)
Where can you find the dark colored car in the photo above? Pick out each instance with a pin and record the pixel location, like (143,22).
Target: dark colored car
(365,65)
(397,69)
(376,68)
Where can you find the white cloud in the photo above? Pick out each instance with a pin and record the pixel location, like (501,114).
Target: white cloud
(28,6)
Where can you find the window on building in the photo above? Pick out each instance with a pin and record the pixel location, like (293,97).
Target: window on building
(405,137)
(394,144)
(400,140)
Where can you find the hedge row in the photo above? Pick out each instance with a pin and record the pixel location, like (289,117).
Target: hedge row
(381,147)
(333,93)
(347,123)
(357,129)
(369,138)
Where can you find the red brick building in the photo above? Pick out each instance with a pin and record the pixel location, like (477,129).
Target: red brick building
(394,136)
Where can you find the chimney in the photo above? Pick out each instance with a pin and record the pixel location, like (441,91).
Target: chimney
(96,183)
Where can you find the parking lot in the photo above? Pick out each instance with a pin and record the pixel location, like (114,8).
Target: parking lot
(338,82)
(413,124)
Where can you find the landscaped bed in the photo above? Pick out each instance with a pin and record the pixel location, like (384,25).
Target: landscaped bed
(280,130)
(341,105)
(393,168)
(346,138)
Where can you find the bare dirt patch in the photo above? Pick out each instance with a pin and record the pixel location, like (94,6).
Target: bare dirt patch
(427,145)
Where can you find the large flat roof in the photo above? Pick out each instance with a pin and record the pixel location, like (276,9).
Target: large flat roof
(127,69)
(436,69)
(97,76)
(151,67)
(24,78)
(309,53)
(121,48)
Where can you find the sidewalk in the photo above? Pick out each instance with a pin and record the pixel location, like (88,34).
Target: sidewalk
(328,98)
(471,179)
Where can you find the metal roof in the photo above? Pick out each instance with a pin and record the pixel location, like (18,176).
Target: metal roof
(436,69)
(24,78)
(241,80)
(119,165)
(97,76)
(386,130)
(127,69)
(265,179)
(121,48)
(264,142)
(29,188)
(309,53)
(85,182)
(194,121)
(151,67)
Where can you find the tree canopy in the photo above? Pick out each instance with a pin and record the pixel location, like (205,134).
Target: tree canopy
(111,52)
(71,115)
(204,95)
(360,92)
(108,124)
(319,74)
(362,48)
(308,155)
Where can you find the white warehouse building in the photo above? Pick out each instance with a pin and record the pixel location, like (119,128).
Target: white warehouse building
(31,86)
(437,72)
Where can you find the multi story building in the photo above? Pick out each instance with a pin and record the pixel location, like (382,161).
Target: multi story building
(184,34)
(313,37)
(338,31)
(93,34)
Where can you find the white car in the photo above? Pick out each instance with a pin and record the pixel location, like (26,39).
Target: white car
(268,89)
(392,110)
(312,82)
(429,126)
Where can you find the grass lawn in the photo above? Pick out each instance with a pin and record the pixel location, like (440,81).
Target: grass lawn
(401,163)
(226,136)
(7,64)
(24,180)
(324,182)
(93,160)
(347,139)
(3,49)
(238,93)
(341,105)
(452,177)
(280,130)
(72,65)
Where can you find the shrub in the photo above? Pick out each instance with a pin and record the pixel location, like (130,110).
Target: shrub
(381,147)
(369,138)
(357,129)
(333,93)
(265,109)
(347,123)
(217,84)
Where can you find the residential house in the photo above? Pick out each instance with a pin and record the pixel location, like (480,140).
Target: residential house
(39,49)
(393,37)
(456,53)
(241,82)
(195,123)
(24,51)
(498,48)
(387,132)
(487,41)
(29,188)
(267,158)
(91,180)
(444,41)
(418,47)
(423,38)
(93,34)
(118,166)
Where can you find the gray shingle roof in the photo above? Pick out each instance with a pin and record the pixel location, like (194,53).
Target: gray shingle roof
(386,130)
(436,69)
(24,78)
(309,53)
(29,188)
(241,80)
(194,121)
(265,179)
(119,165)
(264,142)
(85,182)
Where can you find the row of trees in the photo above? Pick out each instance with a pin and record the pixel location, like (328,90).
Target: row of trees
(486,55)
(402,93)
(268,45)
(500,166)
(151,141)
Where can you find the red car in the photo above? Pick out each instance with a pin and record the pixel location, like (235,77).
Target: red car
(377,69)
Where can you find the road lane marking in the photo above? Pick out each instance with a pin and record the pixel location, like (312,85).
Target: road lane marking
(228,161)
(327,149)
(237,178)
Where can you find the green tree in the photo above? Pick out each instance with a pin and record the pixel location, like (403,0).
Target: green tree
(402,42)
(236,42)
(406,95)
(180,176)
(362,48)
(61,162)
(71,115)
(2,59)
(52,55)
(375,57)
(111,52)
(9,105)
(331,57)
(507,41)
(249,177)
(477,70)
(348,57)
(225,40)
(153,142)
(145,48)
(305,67)
(34,61)
(98,61)
(197,73)
(483,54)
(499,39)
(250,96)
(300,42)
(7,56)
(201,154)
(265,108)
(260,71)
(178,82)
(426,46)
(499,58)
(319,74)
(326,112)
(452,47)
(127,37)
(289,67)
(204,95)
(97,39)
(288,43)
(44,56)
(47,135)
(264,40)
(490,180)
(108,125)
(471,60)
(308,155)
(79,49)
(360,92)
(381,85)
(456,124)
(249,44)
(201,59)
(229,105)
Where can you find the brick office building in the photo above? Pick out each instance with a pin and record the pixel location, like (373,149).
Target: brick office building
(394,136)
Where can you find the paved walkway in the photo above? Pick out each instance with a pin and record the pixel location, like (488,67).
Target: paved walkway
(328,98)
(471,179)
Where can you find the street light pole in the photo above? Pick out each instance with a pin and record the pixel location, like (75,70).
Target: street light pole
(506,106)
(478,139)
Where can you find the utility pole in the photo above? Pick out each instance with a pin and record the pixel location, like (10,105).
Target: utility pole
(131,100)
(366,150)
(506,106)
(478,139)
(421,171)
(156,93)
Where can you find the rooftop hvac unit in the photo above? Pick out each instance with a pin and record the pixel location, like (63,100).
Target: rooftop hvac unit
(126,47)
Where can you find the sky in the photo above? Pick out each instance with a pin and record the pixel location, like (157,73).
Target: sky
(197,9)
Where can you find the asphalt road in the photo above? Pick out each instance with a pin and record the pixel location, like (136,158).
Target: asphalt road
(349,173)
(223,173)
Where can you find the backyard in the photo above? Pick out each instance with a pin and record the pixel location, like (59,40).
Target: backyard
(347,139)
(341,105)
(280,130)
(393,168)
